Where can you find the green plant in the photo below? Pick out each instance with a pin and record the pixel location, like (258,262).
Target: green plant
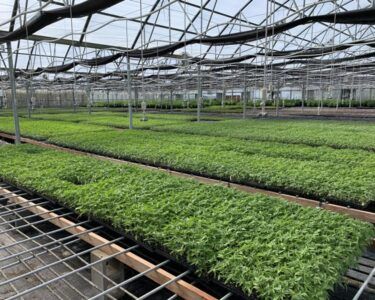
(120,120)
(336,134)
(325,173)
(260,244)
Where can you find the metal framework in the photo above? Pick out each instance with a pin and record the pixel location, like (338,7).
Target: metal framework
(144,24)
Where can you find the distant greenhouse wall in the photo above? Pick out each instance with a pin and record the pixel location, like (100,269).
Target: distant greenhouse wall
(45,98)
(67,98)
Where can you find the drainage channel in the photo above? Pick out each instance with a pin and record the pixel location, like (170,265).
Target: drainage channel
(49,252)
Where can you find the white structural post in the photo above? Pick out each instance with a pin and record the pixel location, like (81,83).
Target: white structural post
(28,99)
(108,99)
(304,94)
(13,92)
(351,98)
(254,102)
(223,98)
(105,271)
(1,99)
(277,99)
(199,96)
(74,99)
(263,103)
(244,102)
(88,95)
(129,96)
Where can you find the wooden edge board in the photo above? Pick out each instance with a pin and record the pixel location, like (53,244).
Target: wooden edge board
(160,276)
(355,213)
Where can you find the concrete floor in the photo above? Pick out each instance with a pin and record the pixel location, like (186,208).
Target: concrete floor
(57,290)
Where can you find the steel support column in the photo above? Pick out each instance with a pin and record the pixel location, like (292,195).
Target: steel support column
(199,96)
(28,100)
(13,93)
(129,95)
(244,103)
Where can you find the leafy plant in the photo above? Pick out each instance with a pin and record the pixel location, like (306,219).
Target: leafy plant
(336,134)
(346,175)
(257,243)
(119,120)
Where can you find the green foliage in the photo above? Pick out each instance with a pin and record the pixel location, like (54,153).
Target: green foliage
(346,175)
(44,129)
(336,134)
(237,107)
(166,104)
(257,243)
(339,103)
(121,120)
(156,104)
(55,110)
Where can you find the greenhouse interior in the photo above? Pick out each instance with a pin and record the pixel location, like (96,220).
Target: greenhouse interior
(176,149)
